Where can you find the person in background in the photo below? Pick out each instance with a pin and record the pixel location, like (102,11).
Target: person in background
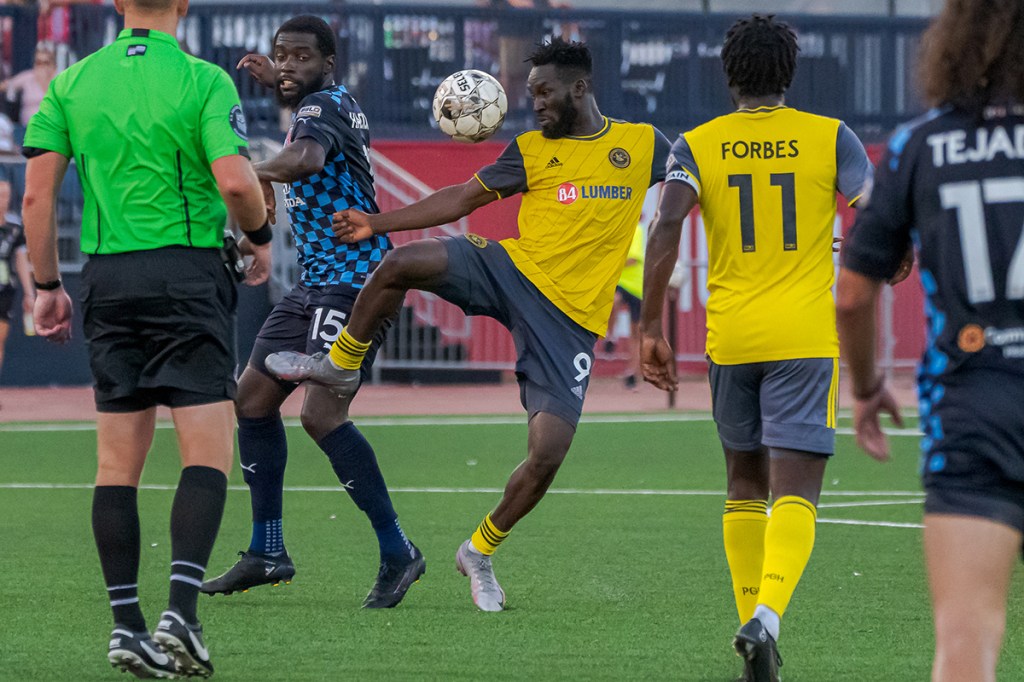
(630,291)
(29,87)
(14,269)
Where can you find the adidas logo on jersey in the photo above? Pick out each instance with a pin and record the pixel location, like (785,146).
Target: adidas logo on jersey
(577,391)
(553,163)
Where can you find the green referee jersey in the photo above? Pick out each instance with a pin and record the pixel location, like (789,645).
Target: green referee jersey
(144,122)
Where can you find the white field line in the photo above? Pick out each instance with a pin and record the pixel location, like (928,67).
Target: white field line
(459,420)
(554,491)
(867,503)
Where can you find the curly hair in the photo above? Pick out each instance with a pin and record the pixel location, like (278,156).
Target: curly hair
(973,54)
(759,56)
(572,58)
(311,25)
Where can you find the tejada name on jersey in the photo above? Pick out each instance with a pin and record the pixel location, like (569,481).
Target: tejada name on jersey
(765,149)
(951,146)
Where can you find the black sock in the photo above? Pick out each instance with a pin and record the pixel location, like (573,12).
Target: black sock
(355,464)
(263,449)
(195,519)
(115,525)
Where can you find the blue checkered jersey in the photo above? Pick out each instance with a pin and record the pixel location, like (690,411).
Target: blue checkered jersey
(952,183)
(334,120)
(12,238)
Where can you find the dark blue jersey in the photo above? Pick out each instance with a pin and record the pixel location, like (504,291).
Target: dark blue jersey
(334,120)
(952,182)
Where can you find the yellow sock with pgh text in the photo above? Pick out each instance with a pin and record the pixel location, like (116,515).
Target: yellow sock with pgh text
(743,528)
(788,542)
(348,353)
(487,537)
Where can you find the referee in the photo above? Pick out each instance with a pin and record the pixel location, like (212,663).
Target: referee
(158,141)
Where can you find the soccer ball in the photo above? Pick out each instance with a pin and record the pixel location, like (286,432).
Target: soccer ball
(470,105)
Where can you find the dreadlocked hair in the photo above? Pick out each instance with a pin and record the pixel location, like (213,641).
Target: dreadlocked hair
(572,58)
(973,54)
(759,56)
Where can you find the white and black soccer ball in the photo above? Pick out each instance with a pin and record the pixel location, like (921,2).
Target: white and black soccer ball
(470,105)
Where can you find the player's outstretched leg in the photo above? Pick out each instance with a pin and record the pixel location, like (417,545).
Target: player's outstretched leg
(138,654)
(318,368)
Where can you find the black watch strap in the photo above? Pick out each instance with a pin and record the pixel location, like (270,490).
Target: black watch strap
(48,286)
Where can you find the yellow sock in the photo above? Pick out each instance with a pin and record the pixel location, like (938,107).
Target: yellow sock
(788,542)
(487,537)
(743,526)
(348,353)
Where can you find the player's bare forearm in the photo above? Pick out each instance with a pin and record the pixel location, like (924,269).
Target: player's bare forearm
(300,159)
(856,299)
(443,206)
(677,200)
(43,177)
(241,191)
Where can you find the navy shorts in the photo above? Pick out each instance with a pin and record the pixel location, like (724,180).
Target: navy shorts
(308,320)
(160,328)
(973,450)
(633,302)
(6,303)
(787,404)
(554,353)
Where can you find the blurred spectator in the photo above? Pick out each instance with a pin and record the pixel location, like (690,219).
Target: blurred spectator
(28,87)
(14,269)
(55,20)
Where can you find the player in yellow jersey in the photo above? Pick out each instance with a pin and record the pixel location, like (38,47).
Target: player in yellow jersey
(583,178)
(765,177)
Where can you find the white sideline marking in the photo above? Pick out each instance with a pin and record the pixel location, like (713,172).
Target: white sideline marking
(556,491)
(441,420)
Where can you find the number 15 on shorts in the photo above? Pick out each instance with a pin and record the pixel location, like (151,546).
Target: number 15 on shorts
(327,325)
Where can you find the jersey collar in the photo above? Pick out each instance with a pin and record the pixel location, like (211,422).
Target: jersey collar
(762,110)
(604,129)
(136,33)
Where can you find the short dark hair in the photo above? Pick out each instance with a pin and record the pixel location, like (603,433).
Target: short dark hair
(759,56)
(309,24)
(570,57)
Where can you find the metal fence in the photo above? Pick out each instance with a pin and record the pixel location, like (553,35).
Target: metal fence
(660,67)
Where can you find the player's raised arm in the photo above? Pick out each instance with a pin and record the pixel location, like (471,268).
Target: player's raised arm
(443,206)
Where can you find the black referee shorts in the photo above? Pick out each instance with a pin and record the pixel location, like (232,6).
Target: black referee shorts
(160,328)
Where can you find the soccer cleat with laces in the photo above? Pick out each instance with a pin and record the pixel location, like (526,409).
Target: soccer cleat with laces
(318,368)
(487,593)
(393,580)
(138,654)
(759,652)
(250,571)
(185,644)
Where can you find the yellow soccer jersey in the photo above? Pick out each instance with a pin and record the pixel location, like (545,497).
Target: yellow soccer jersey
(767,181)
(582,198)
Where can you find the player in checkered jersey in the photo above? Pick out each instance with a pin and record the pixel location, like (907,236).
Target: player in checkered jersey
(325,169)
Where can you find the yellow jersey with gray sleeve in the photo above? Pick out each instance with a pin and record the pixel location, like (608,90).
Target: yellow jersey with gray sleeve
(767,179)
(582,198)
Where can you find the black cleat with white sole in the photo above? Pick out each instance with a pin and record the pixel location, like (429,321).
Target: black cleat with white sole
(251,570)
(138,654)
(184,643)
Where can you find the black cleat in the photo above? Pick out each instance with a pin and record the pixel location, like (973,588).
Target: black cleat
(394,580)
(250,571)
(138,654)
(759,651)
(184,643)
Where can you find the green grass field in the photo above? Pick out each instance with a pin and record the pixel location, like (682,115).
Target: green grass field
(620,575)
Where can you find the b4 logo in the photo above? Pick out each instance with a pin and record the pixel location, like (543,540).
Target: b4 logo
(567,193)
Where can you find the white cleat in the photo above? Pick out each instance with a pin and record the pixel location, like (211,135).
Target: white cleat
(487,593)
(318,368)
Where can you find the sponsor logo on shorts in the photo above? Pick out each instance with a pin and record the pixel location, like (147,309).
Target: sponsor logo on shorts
(971,338)
(476,240)
(619,157)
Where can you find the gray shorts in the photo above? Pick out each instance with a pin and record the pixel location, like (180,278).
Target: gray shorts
(554,353)
(783,404)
